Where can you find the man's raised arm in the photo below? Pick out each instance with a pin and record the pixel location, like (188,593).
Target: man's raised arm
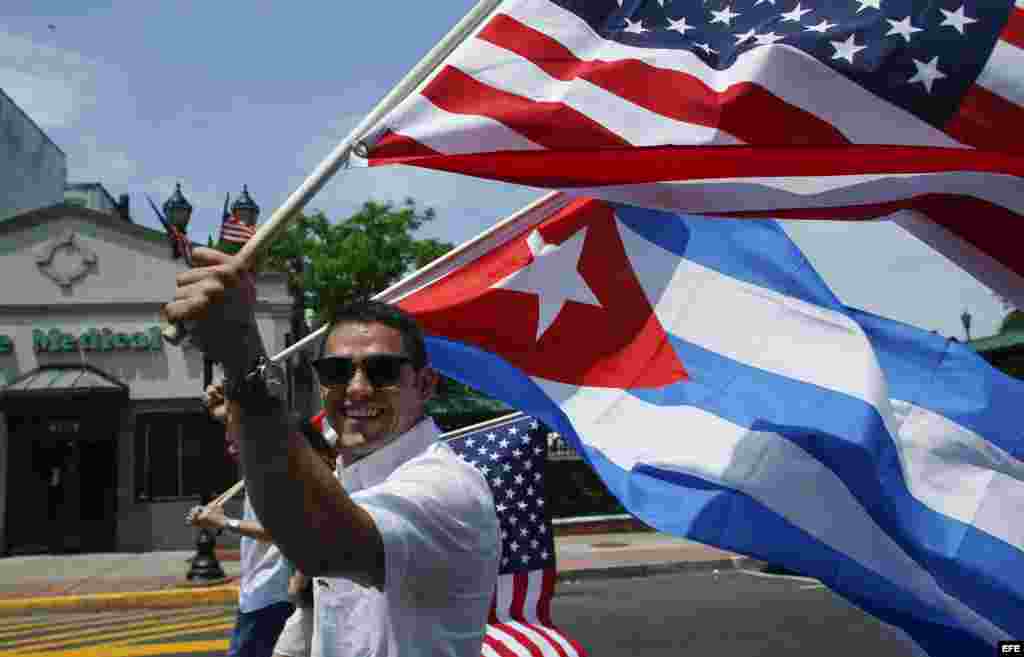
(295,495)
(314,521)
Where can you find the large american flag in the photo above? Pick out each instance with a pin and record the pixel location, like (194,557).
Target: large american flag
(809,109)
(511,453)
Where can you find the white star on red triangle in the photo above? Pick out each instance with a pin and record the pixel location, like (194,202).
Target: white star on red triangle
(552,276)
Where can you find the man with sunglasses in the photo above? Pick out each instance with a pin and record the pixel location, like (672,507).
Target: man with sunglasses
(404,548)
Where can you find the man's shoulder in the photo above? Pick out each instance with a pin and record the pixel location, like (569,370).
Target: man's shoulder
(440,455)
(449,495)
(440,449)
(445,470)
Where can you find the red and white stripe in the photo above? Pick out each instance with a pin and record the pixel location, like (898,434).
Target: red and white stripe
(537,97)
(182,244)
(322,423)
(520,623)
(996,99)
(235,230)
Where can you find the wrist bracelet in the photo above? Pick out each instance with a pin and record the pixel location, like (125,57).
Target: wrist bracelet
(261,391)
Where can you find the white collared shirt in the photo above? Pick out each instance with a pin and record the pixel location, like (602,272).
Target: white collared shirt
(436,516)
(265,572)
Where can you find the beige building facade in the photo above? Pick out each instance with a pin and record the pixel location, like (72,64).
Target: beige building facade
(103,441)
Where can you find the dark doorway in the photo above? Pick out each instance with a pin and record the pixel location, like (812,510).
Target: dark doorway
(98,519)
(29,501)
(61,485)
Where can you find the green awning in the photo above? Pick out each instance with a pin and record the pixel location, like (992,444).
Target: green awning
(61,381)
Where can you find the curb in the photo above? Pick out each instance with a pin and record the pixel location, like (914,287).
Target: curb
(612,524)
(221,594)
(661,568)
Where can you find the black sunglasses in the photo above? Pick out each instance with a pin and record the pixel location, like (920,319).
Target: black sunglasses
(382,370)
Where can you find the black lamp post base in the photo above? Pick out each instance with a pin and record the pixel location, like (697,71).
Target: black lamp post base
(204,564)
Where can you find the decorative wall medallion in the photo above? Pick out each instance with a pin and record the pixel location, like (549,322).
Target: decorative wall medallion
(65,272)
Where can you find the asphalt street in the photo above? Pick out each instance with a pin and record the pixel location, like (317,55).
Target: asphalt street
(732,614)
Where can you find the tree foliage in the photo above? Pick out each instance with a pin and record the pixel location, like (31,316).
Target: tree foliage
(332,264)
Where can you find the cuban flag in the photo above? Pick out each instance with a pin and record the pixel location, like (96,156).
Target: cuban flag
(723,393)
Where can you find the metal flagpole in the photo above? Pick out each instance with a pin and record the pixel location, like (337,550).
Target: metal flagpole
(334,161)
(541,204)
(279,220)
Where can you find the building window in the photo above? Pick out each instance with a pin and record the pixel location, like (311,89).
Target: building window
(180,456)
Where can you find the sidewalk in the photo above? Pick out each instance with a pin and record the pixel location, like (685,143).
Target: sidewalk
(157,579)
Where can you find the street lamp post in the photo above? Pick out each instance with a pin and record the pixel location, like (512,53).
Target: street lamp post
(178,211)
(245,209)
(204,565)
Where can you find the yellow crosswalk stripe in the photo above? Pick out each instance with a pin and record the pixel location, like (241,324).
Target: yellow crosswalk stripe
(207,621)
(104,626)
(175,634)
(135,651)
(17,624)
(94,619)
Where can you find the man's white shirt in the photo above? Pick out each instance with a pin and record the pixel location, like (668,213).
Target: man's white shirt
(441,543)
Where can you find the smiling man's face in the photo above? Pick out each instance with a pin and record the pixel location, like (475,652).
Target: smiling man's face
(367,417)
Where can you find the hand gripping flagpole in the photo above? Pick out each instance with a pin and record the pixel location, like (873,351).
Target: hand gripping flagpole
(550,202)
(278,222)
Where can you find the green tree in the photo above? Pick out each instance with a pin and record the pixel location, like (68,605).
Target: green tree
(332,264)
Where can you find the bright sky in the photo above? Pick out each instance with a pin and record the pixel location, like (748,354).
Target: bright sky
(216,94)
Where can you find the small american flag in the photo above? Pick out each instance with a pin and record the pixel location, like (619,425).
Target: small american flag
(323,425)
(809,109)
(511,453)
(181,246)
(234,230)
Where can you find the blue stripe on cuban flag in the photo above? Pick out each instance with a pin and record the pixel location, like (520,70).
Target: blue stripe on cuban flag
(868,445)
(784,443)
